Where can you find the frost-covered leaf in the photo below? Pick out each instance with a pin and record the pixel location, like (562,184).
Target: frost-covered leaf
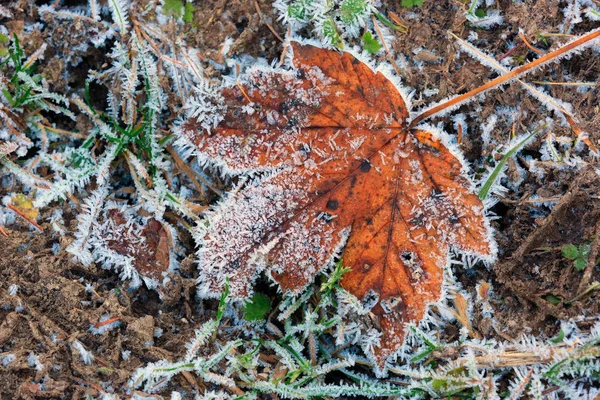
(133,244)
(334,167)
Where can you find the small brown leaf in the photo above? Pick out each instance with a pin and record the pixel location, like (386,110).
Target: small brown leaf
(151,256)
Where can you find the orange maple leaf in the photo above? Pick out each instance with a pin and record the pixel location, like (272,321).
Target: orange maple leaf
(341,169)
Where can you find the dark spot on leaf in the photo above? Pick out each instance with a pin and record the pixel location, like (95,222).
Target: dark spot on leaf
(416,221)
(285,107)
(332,204)
(365,166)
(304,148)
(292,122)
(369,221)
(408,256)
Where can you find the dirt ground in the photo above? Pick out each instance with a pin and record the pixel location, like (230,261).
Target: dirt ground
(61,300)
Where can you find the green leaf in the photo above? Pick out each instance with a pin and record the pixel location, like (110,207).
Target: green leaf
(480,13)
(412,3)
(550,298)
(257,308)
(422,355)
(173,8)
(559,338)
(331,33)
(580,264)
(223,302)
(4,39)
(390,24)
(297,10)
(188,12)
(570,251)
(370,44)
(351,9)
(584,250)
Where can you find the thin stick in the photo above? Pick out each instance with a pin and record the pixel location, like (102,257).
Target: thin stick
(387,49)
(2,231)
(555,106)
(262,18)
(63,132)
(515,73)
(524,39)
(155,47)
(26,217)
(242,90)
(556,35)
(286,46)
(394,17)
(108,321)
(566,83)
(590,267)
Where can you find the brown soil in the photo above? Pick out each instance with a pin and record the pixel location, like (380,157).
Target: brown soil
(58,309)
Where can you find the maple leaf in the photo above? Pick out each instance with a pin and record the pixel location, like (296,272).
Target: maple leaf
(341,169)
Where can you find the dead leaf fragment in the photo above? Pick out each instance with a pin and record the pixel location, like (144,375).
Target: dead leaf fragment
(147,244)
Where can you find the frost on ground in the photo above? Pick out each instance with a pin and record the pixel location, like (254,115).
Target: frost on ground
(324,168)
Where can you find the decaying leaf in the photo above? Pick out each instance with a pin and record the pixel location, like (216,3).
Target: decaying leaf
(146,244)
(339,169)
(25,205)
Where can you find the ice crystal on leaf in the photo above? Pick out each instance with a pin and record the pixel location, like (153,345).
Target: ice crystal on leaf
(341,170)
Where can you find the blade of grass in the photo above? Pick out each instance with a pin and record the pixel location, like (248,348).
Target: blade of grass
(487,186)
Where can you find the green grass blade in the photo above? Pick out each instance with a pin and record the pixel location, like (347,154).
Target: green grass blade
(487,186)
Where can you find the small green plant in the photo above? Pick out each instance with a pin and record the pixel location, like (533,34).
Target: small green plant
(540,37)
(26,88)
(480,17)
(177,9)
(552,299)
(257,308)
(370,44)
(578,254)
(336,20)
(519,60)
(412,3)
(303,351)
